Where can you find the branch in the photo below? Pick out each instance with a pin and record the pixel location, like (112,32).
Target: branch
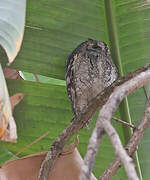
(132,145)
(78,122)
(105,114)
(123,122)
(120,151)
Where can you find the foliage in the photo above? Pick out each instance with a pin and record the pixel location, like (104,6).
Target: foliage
(53,29)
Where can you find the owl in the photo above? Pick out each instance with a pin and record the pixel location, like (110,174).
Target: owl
(89,71)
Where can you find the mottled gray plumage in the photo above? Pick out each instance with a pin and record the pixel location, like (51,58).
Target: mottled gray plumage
(90,70)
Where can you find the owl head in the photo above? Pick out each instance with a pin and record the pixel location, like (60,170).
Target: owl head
(97,46)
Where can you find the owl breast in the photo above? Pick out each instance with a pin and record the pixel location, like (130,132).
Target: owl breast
(89,71)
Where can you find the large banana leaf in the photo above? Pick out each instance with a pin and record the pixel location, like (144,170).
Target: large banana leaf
(53,29)
(45,107)
(12,18)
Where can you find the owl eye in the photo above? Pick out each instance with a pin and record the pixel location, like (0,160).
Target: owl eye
(96,47)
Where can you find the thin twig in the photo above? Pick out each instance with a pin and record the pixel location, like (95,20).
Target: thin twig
(78,122)
(27,146)
(145,92)
(132,145)
(123,122)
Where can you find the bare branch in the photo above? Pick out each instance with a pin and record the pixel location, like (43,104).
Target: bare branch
(123,122)
(131,147)
(106,114)
(120,151)
(78,122)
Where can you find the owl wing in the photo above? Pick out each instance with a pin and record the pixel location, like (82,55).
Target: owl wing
(70,75)
(71,91)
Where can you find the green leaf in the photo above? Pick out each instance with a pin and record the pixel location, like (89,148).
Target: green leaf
(53,30)
(45,107)
(12,19)
(131,52)
(5,155)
